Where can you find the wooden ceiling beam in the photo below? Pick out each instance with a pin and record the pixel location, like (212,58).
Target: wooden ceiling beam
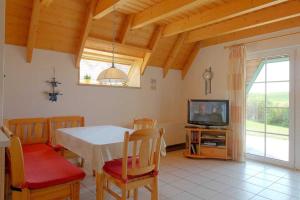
(85,31)
(152,45)
(162,10)
(108,55)
(104,7)
(155,37)
(220,13)
(174,52)
(269,28)
(125,49)
(109,44)
(190,60)
(33,29)
(268,15)
(125,29)
(46,2)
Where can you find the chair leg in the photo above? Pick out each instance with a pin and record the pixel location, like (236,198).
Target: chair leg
(128,194)
(136,194)
(75,191)
(154,193)
(100,178)
(23,195)
(81,162)
(7,184)
(124,192)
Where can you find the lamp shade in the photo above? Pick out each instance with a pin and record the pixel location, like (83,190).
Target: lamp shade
(112,75)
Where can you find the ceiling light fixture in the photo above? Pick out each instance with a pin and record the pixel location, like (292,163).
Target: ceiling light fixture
(113,75)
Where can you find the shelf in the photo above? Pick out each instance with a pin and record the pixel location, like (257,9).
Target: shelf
(186,154)
(197,137)
(210,146)
(207,138)
(209,130)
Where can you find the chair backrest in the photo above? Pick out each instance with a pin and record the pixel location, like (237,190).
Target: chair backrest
(145,152)
(63,122)
(144,123)
(29,130)
(15,158)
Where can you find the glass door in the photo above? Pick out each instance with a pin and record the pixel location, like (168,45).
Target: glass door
(268,110)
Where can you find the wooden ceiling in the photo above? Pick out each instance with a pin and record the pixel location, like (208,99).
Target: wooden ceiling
(164,33)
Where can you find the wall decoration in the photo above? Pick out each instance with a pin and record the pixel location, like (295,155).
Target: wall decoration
(207,76)
(53,83)
(153,84)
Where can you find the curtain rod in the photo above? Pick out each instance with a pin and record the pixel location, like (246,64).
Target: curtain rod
(260,40)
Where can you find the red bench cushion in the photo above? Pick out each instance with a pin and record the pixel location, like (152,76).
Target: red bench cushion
(57,147)
(114,168)
(44,167)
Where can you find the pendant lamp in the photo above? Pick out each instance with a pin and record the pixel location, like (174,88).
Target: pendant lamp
(112,75)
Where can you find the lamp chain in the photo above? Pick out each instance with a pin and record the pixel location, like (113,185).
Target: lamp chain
(114,36)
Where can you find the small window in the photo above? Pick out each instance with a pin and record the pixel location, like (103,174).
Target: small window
(90,70)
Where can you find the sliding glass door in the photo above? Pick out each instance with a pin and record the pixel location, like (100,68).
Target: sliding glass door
(268,110)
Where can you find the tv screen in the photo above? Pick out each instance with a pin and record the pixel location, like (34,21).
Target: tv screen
(208,112)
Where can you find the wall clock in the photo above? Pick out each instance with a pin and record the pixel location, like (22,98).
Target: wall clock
(207,76)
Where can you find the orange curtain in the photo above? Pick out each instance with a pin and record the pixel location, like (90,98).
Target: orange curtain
(236,89)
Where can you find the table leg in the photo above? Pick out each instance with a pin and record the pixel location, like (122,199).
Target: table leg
(99,186)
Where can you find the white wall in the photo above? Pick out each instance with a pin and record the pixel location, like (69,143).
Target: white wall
(26,87)
(217,57)
(297,108)
(2,37)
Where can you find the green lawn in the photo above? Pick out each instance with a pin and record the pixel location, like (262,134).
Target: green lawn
(256,126)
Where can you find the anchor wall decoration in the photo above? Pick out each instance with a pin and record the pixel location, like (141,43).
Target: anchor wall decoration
(53,83)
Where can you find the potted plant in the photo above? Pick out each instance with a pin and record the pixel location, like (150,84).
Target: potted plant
(87,78)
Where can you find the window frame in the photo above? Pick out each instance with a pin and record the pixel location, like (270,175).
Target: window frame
(134,62)
(264,55)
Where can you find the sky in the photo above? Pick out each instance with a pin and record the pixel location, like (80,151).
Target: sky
(277,71)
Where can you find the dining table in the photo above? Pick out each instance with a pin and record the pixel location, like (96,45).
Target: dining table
(96,145)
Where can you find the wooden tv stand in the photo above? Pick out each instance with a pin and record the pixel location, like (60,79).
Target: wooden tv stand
(206,143)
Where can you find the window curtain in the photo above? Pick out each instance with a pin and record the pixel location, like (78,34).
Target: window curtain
(236,89)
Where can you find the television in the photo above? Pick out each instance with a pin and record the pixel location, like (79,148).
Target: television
(208,112)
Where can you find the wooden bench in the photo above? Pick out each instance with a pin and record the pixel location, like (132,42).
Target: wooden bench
(55,123)
(29,130)
(35,136)
(42,130)
(39,172)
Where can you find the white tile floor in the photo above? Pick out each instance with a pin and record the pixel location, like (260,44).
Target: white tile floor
(188,179)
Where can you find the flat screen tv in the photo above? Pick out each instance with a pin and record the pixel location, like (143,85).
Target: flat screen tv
(208,112)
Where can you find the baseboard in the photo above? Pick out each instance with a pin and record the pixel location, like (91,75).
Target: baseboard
(175,147)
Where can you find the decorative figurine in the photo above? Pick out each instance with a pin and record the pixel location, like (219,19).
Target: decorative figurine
(53,83)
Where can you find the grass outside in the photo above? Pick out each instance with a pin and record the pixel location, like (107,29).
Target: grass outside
(257,126)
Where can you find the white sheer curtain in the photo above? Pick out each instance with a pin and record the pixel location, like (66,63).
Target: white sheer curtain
(236,89)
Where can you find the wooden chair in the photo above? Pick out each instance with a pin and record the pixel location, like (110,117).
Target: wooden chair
(31,185)
(29,130)
(65,122)
(138,170)
(144,123)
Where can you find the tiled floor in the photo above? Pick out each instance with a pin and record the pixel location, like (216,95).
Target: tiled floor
(187,179)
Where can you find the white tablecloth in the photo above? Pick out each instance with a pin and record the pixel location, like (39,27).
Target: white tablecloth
(95,144)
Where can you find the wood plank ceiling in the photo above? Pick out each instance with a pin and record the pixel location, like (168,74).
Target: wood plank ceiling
(164,33)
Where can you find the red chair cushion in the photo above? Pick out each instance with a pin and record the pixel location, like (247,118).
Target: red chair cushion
(114,168)
(44,167)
